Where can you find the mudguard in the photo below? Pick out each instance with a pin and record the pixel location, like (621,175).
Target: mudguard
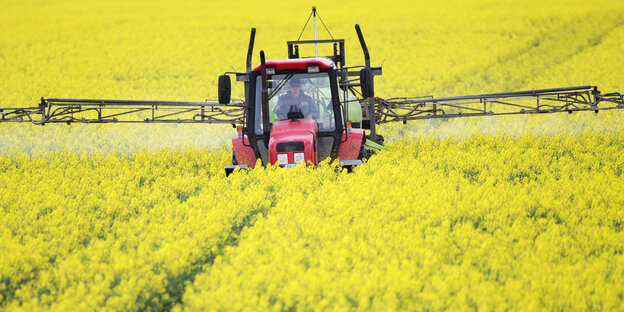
(351,144)
(244,154)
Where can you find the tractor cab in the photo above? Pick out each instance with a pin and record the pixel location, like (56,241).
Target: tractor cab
(308,86)
(303,109)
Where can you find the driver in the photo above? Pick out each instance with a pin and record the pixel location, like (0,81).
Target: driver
(295,96)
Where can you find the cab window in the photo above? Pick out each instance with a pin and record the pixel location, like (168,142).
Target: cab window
(309,93)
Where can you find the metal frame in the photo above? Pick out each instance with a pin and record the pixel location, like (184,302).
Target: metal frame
(339,49)
(55,110)
(570,99)
(541,101)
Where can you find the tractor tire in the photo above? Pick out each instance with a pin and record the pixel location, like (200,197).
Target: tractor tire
(379,140)
(234,162)
(362,153)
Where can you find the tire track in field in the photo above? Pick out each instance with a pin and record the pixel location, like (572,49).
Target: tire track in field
(550,48)
(176,286)
(187,203)
(176,289)
(286,187)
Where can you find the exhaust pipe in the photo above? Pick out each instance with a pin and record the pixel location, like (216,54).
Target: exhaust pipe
(367,83)
(363,44)
(250,49)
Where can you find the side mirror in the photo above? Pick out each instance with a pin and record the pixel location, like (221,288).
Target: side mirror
(225,89)
(366,82)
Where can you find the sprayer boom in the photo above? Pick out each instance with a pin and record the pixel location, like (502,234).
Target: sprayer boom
(541,101)
(54,110)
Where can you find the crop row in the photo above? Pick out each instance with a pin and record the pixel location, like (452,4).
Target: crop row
(485,223)
(116,232)
(491,223)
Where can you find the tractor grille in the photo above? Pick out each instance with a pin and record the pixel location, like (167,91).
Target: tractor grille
(289,147)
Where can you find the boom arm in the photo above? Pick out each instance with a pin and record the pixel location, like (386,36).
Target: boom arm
(570,99)
(54,110)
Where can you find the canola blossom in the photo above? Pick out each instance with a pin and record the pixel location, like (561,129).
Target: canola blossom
(486,223)
(506,213)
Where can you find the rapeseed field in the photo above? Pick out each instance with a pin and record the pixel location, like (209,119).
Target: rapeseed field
(505,213)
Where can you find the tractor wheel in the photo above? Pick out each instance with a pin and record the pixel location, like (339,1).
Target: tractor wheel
(234,162)
(362,153)
(379,140)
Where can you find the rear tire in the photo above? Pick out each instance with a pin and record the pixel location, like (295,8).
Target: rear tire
(380,139)
(362,153)
(234,162)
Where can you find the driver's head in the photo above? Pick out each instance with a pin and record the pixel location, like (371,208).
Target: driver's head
(295,87)
(295,83)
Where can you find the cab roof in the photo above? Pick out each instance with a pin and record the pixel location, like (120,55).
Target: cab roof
(301,63)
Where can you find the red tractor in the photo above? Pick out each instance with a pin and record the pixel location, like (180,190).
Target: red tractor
(308,109)
(301,109)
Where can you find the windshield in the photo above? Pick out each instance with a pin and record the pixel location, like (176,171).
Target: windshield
(309,93)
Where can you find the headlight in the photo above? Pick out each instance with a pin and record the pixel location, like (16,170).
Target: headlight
(283,159)
(299,157)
